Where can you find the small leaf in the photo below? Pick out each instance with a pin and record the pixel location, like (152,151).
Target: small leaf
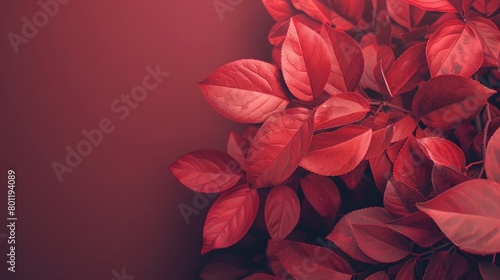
(279,9)
(418,227)
(282,212)
(492,160)
(443,152)
(230,218)
(489,271)
(468,215)
(400,199)
(446,265)
(322,193)
(207,171)
(433,5)
(339,110)
(444,178)
(246,91)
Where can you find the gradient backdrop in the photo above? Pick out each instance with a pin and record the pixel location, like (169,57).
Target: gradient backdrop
(119,207)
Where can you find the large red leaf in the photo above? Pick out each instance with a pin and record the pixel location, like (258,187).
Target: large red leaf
(322,193)
(207,171)
(304,261)
(489,36)
(444,178)
(347,61)
(418,227)
(413,168)
(468,215)
(341,109)
(230,218)
(489,271)
(279,146)
(447,101)
(433,5)
(492,160)
(443,152)
(336,153)
(246,91)
(305,61)
(400,199)
(454,49)
(343,236)
(446,265)
(279,9)
(282,212)
(408,70)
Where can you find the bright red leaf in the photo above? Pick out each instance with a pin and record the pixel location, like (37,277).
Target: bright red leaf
(443,152)
(322,193)
(246,91)
(433,5)
(339,110)
(488,34)
(279,9)
(487,7)
(229,218)
(282,212)
(407,272)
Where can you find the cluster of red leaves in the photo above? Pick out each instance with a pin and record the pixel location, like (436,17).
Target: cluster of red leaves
(378,116)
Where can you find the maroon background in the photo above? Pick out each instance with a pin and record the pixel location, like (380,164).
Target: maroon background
(119,208)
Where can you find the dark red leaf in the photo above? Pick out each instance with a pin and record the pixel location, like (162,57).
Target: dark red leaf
(400,199)
(336,153)
(372,54)
(381,168)
(341,109)
(468,215)
(454,49)
(322,193)
(487,7)
(278,147)
(489,271)
(246,91)
(488,34)
(230,218)
(207,171)
(446,265)
(444,178)
(433,5)
(347,61)
(305,60)
(223,266)
(408,70)
(418,227)
(381,139)
(282,212)
(492,160)
(381,275)
(279,9)
(407,272)
(465,133)
(443,152)
(261,276)
(447,101)
(354,177)
(304,261)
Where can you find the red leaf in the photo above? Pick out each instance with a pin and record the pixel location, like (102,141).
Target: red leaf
(443,152)
(408,70)
(381,275)
(278,147)
(372,54)
(487,7)
(347,61)
(313,8)
(489,271)
(492,160)
(380,242)
(304,261)
(433,5)
(279,9)
(246,91)
(418,227)
(413,168)
(404,14)
(381,168)
(305,61)
(343,236)
(447,101)
(381,139)
(322,193)
(407,272)
(400,199)
(454,49)
(468,215)
(237,147)
(446,265)
(354,177)
(488,34)
(403,128)
(444,178)
(230,218)
(261,276)
(282,212)
(336,153)
(341,109)
(207,171)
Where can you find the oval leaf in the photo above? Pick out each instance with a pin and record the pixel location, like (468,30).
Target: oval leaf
(408,70)
(246,91)
(433,5)
(207,171)
(489,35)
(305,61)
(278,147)
(468,215)
(418,227)
(279,9)
(339,110)
(281,212)
(230,218)
(322,193)
(443,152)
(336,153)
